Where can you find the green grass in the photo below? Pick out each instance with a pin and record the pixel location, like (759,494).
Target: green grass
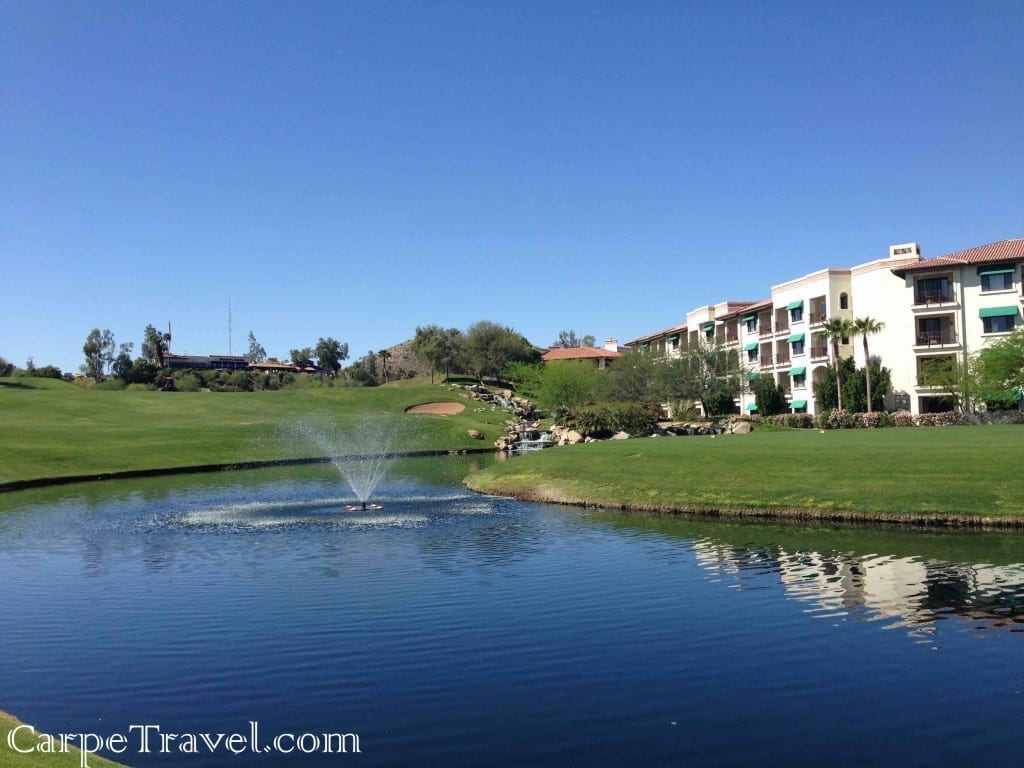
(886,473)
(10,758)
(51,429)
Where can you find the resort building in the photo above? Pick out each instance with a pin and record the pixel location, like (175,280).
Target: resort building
(602,356)
(933,312)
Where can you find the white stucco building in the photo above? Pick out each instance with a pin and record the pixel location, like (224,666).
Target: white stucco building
(931,309)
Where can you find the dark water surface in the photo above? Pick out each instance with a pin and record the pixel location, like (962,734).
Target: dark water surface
(454,629)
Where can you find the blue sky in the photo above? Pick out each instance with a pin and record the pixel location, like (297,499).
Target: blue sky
(357,169)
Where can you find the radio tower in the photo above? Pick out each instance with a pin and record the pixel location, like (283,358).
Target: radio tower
(229,326)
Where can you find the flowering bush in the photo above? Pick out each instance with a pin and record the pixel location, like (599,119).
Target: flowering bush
(903,419)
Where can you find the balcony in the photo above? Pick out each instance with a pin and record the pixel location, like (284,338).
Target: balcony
(934,338)
(925,298)
(766,361)
(819,351)
(782,327)
(782,358)
(765,330)
(732,337)
(818,318)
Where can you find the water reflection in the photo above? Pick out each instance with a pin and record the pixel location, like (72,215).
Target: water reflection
(914,593)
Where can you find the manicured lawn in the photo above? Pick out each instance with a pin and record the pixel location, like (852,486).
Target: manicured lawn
(947,471)
(51,429)
(10,758)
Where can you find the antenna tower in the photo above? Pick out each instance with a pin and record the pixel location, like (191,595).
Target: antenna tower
(229,327)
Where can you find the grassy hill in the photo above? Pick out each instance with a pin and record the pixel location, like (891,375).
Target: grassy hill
(50,428)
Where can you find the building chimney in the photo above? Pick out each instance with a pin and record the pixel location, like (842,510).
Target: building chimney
(612,345)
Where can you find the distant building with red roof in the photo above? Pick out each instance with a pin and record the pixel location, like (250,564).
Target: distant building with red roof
(610,352)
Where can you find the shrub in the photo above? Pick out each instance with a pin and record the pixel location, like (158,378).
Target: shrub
(188,383)
(109,385)
(903,419)
(140,388)
(634,418)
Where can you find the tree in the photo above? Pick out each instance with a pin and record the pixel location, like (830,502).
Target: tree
(99,352)
(836,330)
(329,353)
(257,354)
(6,367)
(568,340)
(437,347)
(489,347)
(122,366)
(864,327)
(1000,369)
(769,396)
(959,378)
(635,377)
(568,384)
(302,357)
(384,356)
(705,372)
(155,345)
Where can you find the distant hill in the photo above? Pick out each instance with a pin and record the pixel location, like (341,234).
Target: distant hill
(403,363)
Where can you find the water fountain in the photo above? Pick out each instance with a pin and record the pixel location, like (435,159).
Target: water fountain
(362,451)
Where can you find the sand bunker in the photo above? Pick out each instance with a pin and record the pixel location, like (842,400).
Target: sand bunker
(444,409)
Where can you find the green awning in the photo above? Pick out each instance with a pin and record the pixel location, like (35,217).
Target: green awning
(798,371)
(997,271)
(998,312)
(795,337)
(752,407)
(795,304)
(748,318)
(752,376)
(707,327)
(798,404)
(673,337)
(751,346)
(644,346)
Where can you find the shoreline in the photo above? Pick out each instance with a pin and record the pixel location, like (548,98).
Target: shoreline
(126,474)
(549,495)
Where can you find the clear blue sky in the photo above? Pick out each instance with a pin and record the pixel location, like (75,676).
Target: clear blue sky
(357,169)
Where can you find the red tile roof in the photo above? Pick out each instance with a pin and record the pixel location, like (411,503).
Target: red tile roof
(657,334)
(578,353)
(1004,250)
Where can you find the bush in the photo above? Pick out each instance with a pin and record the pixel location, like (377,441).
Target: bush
(188,383)
(633,418)
(109,385)
(140,388)
(903,419)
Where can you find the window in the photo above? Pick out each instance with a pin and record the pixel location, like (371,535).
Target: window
(999,324)
(844,301)
(752,355)
(798,347)
(751,324)
(997,280)
(796,314)
(932,289)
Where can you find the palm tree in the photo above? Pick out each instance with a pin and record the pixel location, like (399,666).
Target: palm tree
(384,355)
(837,329)
(864,327)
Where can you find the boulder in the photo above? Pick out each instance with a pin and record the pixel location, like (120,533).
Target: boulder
(620,436)
(742,428)
(476,434)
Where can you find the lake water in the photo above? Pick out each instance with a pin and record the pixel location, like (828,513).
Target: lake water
(462,630)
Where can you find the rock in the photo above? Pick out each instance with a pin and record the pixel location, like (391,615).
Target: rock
(620,436)
(572,437)
(476,434)
(742,428)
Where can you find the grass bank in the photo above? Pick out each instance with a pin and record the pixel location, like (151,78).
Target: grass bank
(957,475)
(51,429)
(24,740)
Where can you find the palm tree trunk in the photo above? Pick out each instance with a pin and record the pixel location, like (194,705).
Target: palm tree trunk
(867,370)
(835,363)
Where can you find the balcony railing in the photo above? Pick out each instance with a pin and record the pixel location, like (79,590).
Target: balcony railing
(766,360)
(782,359)
(817,318)
(819,351)
(731,337)
(766,330)
(935,296)
(781,327)
(930,338)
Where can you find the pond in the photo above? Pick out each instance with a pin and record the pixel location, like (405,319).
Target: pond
(453,629)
